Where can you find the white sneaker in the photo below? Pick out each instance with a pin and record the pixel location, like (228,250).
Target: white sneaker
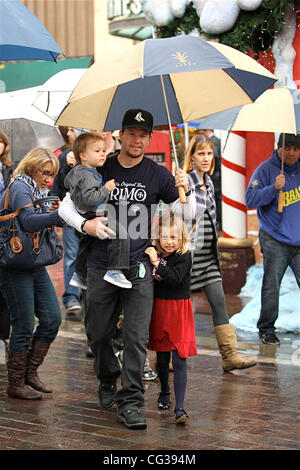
(118,279)
(77,281)
(148,373)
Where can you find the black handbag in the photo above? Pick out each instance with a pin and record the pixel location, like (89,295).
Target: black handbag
(25,250)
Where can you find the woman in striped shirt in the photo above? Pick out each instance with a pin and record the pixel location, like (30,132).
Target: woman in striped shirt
(206,273)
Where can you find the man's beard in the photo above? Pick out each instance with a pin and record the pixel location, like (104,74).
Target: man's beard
(134,156)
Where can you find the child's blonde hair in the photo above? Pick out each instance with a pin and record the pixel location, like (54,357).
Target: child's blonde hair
(197,142)
(170,220)
(81,142)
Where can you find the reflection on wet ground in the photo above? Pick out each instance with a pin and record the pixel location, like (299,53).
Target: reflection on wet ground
(249,409)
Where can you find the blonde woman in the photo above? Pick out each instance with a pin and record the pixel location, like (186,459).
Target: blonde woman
(172,327)
(30,294)
(206,273)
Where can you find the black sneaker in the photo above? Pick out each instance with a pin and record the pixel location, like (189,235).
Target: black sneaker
(269,338)
(106,395)
(133,419)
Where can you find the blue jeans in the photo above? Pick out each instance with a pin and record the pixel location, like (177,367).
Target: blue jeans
(70,242)
(277,257)
(30,294)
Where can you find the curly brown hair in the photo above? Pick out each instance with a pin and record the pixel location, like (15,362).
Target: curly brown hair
(5,157)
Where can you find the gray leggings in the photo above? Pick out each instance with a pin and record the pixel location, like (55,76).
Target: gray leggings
(216,299)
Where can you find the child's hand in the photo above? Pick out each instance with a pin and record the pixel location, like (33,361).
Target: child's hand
(110,185)
(152,253)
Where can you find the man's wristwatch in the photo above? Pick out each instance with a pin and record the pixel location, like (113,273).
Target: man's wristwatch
(82,225)
(188,193)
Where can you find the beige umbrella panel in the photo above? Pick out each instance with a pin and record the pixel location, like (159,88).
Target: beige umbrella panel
(200,78)
(276,110)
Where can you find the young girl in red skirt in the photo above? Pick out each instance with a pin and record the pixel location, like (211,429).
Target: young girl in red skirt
(172,324)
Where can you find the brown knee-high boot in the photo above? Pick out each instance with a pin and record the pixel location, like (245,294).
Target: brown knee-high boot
(227,343)
(16,368)
(36,355)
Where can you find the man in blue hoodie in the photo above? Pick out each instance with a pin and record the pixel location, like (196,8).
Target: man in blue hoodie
(279,232)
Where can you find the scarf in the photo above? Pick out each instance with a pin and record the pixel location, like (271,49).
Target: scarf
(205,201)
(37,193)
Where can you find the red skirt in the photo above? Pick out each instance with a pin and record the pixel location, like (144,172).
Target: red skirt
(172,327)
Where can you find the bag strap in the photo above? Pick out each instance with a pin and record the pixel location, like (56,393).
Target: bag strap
(17,212)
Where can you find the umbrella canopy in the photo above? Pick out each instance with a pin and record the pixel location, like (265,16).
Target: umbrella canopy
(276,110)
(24,135)
(22,35)
(199,77)
(42,103)
(53,95)
(18,105)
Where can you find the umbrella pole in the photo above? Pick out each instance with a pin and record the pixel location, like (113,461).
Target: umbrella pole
(280,198)
(180,189)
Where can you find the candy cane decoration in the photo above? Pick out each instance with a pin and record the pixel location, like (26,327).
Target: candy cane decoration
(234,210)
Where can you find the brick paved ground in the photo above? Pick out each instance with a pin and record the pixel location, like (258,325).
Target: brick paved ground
(254,409)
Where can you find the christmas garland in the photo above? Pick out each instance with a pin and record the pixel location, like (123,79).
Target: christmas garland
(254,30)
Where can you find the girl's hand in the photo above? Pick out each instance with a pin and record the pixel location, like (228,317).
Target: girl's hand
(152,253)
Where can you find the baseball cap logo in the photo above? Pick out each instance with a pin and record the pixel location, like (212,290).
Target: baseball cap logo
(139,117)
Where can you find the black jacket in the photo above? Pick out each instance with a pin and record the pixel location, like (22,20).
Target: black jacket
(58,188)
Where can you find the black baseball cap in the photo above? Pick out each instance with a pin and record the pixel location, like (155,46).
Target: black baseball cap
(291,140)
(138,118)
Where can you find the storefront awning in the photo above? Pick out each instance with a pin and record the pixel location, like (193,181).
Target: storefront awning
(19,75)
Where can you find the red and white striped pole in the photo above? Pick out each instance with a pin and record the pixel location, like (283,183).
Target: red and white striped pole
(234,210)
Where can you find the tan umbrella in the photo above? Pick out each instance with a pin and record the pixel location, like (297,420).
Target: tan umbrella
(199,77)
(177,79)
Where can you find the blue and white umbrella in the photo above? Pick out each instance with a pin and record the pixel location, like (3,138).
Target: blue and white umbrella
(22,35)
(199,78)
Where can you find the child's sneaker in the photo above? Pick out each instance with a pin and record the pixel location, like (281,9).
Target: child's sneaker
(78,281)
(181,416)
(118,279)
(148,373)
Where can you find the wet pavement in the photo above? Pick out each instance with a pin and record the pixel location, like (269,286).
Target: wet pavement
(251,409)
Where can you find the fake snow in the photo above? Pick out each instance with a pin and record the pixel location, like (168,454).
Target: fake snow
(289,302)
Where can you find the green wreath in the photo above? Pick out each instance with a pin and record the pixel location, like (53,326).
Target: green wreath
(254,30)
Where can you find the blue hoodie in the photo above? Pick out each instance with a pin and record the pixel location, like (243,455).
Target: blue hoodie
(261,193)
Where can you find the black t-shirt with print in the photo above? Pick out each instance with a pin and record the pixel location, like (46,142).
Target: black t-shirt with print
(138,191)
